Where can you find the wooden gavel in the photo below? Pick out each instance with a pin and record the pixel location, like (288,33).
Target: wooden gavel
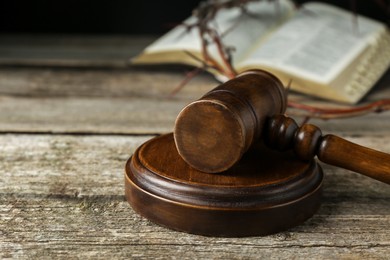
(212,133)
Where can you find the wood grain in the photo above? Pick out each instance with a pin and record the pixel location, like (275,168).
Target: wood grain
(66,100)
(70,50)
(155,82)
(62,197)
(86,115)
(132,116)
(342,153)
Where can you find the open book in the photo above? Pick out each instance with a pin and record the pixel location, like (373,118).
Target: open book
(325,51)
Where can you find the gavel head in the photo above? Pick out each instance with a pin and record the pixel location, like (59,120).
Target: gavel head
(212,133)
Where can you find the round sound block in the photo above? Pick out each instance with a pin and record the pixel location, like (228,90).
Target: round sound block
(266,192)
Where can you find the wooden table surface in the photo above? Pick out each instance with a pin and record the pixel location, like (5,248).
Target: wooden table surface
(72,112)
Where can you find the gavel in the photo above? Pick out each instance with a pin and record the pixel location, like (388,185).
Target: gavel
(212,133)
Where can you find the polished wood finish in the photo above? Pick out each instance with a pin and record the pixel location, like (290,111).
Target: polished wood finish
(258,196)
(282,133)
(213,133)
(342,153)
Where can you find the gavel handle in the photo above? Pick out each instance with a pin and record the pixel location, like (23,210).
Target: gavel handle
(282,133)
(342,153)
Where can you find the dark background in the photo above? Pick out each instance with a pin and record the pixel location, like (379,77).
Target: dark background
(118,16)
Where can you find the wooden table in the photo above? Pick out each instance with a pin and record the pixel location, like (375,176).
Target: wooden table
(71,114)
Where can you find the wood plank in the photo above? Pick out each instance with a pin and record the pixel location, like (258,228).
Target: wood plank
(155,82)
(118,101)
(93,100)
(62,196)
(132,116)
(86,115)
(70,50)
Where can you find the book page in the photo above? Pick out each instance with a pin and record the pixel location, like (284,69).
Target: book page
(316,44)
(239,29)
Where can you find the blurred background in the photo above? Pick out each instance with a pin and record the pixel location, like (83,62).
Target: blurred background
(121,16)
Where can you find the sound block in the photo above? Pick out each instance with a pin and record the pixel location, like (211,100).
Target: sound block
(265,193)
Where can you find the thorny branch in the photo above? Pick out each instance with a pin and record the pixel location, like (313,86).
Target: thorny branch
(330,113)
(205,14)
